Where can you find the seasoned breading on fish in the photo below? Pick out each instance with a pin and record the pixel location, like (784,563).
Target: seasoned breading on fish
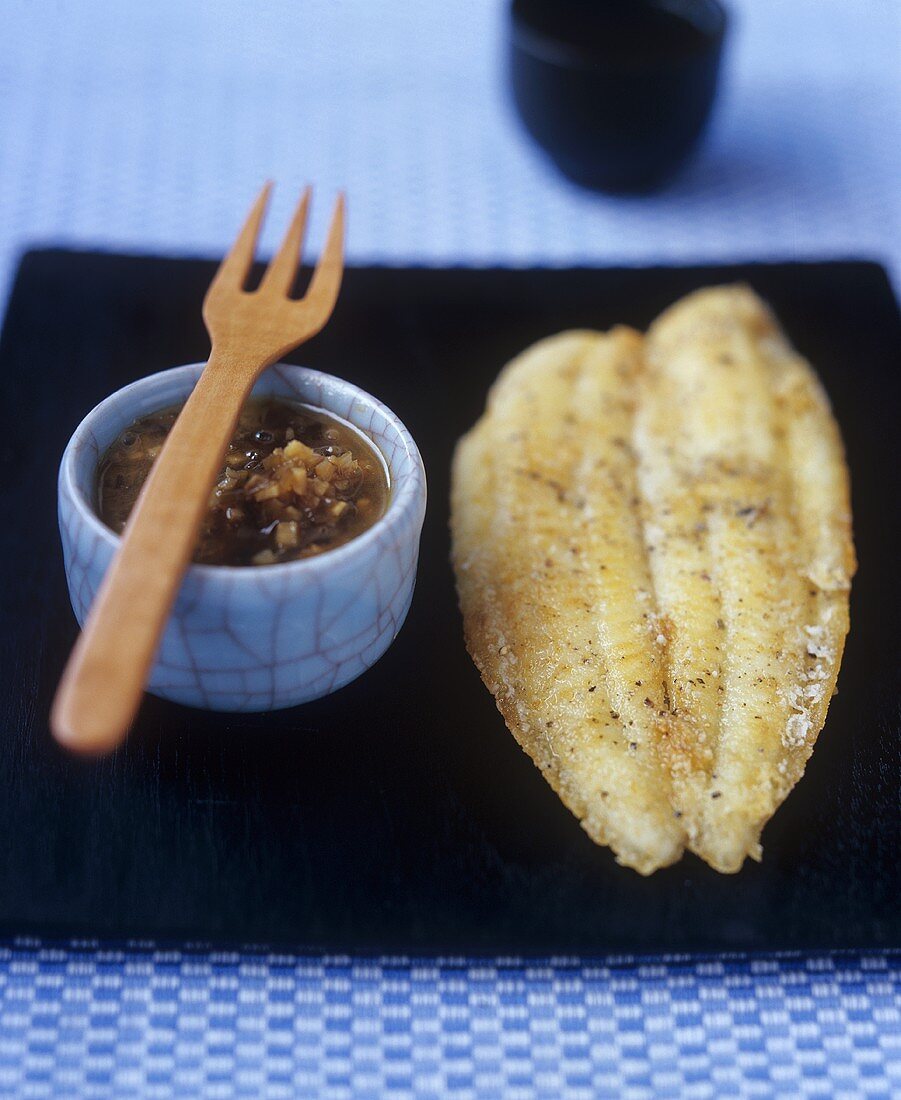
(652,549)
(556,589)
(745,500)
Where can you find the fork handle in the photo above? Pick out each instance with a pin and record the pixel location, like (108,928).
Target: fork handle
(103,683)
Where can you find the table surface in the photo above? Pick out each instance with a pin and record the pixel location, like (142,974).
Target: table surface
(147,128)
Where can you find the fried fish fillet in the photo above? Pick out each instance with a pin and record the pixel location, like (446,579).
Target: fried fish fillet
(651,538)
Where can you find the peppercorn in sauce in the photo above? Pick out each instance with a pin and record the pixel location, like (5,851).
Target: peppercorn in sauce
(295,482)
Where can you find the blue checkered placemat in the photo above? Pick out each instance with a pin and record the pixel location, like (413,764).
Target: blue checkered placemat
(148,127)
(103,1023)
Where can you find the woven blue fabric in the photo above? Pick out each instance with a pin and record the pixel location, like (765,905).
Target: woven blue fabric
(94,1023)
(148,127)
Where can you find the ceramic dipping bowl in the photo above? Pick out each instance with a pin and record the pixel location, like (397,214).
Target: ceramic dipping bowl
(256,638)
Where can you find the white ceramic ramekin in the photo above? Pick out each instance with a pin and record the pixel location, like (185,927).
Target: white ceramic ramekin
(262,637)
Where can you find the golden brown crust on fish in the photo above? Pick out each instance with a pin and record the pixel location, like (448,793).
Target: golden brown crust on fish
(549,560)
(746,501)
(652,549)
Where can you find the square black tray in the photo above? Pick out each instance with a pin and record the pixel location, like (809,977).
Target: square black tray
(399,815)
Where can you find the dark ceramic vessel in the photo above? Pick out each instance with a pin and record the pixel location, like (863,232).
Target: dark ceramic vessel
(616,91)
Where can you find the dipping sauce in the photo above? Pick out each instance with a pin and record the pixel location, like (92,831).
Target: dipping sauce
(296,482)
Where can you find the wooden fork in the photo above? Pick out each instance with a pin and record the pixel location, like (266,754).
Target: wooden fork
(103,683)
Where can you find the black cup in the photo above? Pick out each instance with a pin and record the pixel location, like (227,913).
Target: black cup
(616,91)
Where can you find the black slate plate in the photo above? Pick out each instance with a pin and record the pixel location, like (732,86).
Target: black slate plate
(399,815)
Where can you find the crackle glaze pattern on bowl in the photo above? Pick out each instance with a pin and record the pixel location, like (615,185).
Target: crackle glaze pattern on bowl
(266,637)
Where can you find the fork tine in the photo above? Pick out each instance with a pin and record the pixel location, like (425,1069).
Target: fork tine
(235,268)
(281,271)
(326,281)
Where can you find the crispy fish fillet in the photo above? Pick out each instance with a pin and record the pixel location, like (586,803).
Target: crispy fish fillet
(745,501)
(652,547)
(556,588)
